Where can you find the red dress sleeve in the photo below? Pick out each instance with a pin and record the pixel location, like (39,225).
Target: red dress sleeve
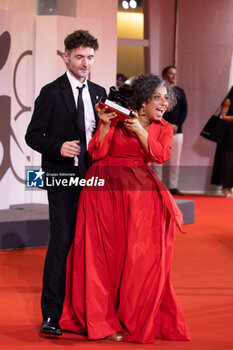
(159,142)
(99,150)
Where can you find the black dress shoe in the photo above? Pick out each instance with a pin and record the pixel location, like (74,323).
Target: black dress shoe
(176,191)
(50,326)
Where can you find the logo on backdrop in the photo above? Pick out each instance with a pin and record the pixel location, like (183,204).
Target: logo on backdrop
(6,131)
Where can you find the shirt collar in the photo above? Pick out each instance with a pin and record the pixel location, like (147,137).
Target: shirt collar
(74,82)
(162,121)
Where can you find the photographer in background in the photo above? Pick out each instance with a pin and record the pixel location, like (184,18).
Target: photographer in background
(176,118)
(120,80)
(223,162)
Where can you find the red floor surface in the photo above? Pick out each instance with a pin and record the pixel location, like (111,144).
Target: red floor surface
(202,278)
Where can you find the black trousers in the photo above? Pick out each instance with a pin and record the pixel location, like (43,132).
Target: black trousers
(62,215)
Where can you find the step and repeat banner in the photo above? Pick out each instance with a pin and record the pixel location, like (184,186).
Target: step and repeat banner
(30,57)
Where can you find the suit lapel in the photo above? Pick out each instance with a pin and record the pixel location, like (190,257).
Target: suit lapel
(95,97)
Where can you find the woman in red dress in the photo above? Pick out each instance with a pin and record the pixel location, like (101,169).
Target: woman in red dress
(119,266)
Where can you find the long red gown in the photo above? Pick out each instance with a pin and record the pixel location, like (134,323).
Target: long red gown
(119,266)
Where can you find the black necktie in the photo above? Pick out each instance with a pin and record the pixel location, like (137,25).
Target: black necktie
(81,128)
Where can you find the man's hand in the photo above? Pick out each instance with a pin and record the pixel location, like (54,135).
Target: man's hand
(70,149)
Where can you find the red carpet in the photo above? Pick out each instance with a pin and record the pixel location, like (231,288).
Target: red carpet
(202,278)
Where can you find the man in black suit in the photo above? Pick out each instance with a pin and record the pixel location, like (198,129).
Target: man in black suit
(62,124)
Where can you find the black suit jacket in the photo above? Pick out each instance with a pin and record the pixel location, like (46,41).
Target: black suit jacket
(178,114)
(54,122)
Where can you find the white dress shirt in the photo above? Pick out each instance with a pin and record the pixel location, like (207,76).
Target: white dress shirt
(89,115)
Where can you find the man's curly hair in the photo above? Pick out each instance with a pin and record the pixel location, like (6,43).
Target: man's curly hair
(143,88)
(80,38)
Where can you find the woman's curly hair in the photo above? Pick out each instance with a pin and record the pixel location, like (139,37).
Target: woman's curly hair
(143,88)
